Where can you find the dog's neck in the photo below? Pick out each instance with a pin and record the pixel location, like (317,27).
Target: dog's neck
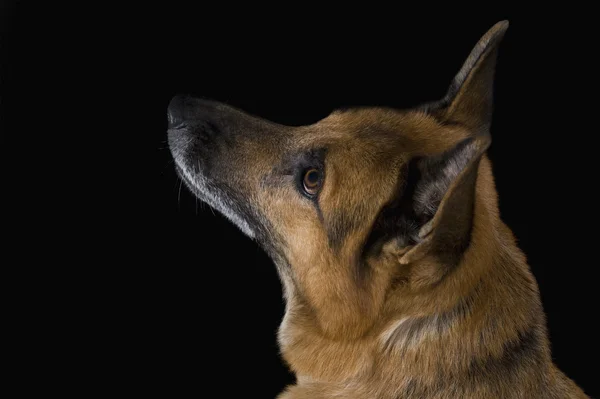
(487,304)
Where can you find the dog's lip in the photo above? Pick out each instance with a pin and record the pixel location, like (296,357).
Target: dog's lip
(190,184)
(180,172)
(179,126)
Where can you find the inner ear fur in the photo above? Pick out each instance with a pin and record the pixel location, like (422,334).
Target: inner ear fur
(432,213)
(440,209)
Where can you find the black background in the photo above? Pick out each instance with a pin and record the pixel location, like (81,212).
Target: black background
(153,289)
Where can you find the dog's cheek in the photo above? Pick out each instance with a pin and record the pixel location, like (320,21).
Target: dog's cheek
(290,219)
(305,242)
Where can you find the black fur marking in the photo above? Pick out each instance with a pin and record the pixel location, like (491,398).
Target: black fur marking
(410,330)
(410,388)
(395,220)
(418,389)
(292,169)
(461,311)
(525,350)
(339,224)
(313,159)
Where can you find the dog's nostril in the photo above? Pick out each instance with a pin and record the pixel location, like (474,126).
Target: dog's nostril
(175,112)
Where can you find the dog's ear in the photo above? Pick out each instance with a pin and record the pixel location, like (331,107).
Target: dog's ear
(433,212)
(469,99)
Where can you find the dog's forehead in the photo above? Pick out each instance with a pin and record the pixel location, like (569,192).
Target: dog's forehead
(408,131)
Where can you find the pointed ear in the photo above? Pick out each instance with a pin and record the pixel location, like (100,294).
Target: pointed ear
(470,96)
(433,213)
(442,201)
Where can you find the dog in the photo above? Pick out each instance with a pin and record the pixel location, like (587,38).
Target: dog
(400,279)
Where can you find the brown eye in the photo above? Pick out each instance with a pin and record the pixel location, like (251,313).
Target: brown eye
(312,181)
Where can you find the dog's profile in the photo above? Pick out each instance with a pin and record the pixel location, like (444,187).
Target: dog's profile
(400,279)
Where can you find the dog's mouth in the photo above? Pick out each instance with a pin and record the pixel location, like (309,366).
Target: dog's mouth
(215,198)
(188,179)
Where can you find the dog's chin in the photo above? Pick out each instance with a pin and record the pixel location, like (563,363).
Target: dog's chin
(199,186)
(188,179)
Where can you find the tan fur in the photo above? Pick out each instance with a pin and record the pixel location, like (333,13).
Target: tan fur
(332,333)
(386,324)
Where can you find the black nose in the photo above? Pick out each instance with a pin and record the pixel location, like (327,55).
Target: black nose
(176,111)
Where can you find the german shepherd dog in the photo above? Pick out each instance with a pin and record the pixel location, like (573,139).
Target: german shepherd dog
(400,279)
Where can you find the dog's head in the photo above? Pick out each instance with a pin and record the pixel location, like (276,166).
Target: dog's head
(352,205)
